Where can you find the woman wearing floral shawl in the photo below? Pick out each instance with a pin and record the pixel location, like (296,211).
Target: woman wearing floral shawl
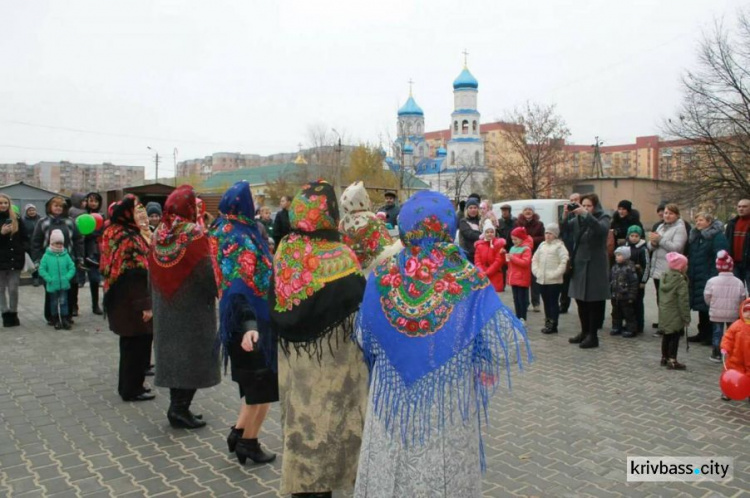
(317,290)
(437,339)
(183,289)
(243,278)
(364,232)
(124,268)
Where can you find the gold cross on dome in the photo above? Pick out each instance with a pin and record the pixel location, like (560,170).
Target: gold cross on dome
(466,58)
(411,82)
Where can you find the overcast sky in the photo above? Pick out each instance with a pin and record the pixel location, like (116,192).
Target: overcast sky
(94,81)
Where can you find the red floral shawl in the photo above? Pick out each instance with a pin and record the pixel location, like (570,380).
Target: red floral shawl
(179,243)
(122,246)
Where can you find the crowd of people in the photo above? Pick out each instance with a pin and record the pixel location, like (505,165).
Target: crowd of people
(383,352)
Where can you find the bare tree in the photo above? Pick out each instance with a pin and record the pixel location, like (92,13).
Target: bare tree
(531,165)
(715,116)
(461,176)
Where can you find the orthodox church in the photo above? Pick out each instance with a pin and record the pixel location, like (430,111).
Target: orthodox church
(455,167)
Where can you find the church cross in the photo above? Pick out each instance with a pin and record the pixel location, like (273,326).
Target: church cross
(466,58)
(411,82)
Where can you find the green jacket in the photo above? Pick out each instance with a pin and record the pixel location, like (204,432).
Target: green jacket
(674,302)
(57,269)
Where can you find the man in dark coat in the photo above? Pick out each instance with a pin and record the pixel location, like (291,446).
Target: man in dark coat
(57,218)
(30,219)
(281,225)
(91,252)
(566,234)
(390,208)
(469,228)
(738,238)
(506,224)
(535,228)
(624,218)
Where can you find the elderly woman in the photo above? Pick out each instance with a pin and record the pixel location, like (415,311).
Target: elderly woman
(434,365)
(670,236)
(589,284)
(127,303)
(13,240)
(183,289)
(706,239)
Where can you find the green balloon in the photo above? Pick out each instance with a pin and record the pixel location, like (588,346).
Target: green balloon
(86,224)
(16,209)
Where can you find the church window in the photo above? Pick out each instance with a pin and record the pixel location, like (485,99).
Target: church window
(474,126)
(464,127)
(419,128)
(455,126)
(453,157)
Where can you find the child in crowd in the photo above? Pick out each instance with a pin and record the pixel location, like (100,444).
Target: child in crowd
(548,265)
(674,308)
(735,346)
(623,283)
(57,269)
(723,294)
(489,255)
(640,257)
(519,270)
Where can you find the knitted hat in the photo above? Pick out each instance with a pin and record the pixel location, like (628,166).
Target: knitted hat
(635,229)
(153,208)
(625,204)
(529,206)
(27,207)
(519,233)
(724,261)
(624,250)
(56,236)
(552,228)
(471,201)
(676,261)
(488,225)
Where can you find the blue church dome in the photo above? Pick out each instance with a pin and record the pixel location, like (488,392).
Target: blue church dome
(410,108)
(408,149)
(465,80)
(441,152)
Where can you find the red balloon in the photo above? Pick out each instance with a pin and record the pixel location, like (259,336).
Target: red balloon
(735,384)
(99,220)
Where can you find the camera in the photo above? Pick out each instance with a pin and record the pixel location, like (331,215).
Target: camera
(572,206)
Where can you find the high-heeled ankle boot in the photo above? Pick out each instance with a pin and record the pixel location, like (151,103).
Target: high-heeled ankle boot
(576,339)
(234,435)
(250,448)
(179,415)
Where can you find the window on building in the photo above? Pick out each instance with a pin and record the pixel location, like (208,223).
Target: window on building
(474,126)
(455,127)
(464,127)
(453,157)
(419,128)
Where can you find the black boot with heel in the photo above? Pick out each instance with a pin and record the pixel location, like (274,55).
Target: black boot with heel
(234,435)
(179,414)
(250,448)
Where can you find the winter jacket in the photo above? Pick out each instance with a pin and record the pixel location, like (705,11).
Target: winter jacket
(673,239)
(57,270)
(73,239)
(534,229)
(490,258)
(503,230)
(624,282)
(281,226)
(729,233)
(723,294)
(13,247)
(620,225)
(125,302)
(639,256)
(590,279)
(549,262)
(470,232)
(391,213)
(29,224)
(736,342)
(674,302)
(704,244)
(519,264)
(74,203)
(566,233)
(91,241)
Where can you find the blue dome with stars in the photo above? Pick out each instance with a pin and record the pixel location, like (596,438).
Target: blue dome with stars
(410,108)
(465,80)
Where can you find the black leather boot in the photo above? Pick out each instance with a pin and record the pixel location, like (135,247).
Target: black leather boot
(6,319)
(234,436)
(95,299)
(590,341)
(576,339)
(179,415)
(250,448)
(14,321)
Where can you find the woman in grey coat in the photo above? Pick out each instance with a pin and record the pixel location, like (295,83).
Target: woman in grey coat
(589,285)
(184,306)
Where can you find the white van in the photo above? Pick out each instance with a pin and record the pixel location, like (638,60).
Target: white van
(549,210)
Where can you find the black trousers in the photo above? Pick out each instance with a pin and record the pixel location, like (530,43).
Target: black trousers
(134,357)
(520,300)
(590,314)
(640,310)
(623,310)
(550,297)
(535,292)
(705,328)
(670,343)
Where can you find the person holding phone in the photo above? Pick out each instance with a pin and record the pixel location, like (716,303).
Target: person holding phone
(13,239)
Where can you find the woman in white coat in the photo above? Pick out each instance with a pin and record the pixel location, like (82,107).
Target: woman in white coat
(670,236)
(548,266)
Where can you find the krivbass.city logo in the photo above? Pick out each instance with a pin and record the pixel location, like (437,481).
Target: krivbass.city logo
(658,469)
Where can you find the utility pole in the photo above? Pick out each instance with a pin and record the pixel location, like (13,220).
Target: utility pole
(596,165)
(156,161)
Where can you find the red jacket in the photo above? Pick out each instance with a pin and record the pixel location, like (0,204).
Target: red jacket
(736,342)
(491,260)
(519,264)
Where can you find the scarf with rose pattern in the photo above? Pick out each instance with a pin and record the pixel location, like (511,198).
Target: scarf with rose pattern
(434,333)
(318,284)
(122,247)
(360,229)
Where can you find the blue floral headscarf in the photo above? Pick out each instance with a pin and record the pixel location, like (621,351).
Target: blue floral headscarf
(431,324)
(243,268)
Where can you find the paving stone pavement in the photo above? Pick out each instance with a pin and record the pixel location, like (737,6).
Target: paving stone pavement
(564,430)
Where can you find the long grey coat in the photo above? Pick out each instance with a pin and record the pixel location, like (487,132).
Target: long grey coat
(185,333)
(590,280)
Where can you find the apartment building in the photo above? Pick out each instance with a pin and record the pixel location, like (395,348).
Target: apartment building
(67,177)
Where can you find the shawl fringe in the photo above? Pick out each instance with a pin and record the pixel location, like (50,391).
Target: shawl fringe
(315,347)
